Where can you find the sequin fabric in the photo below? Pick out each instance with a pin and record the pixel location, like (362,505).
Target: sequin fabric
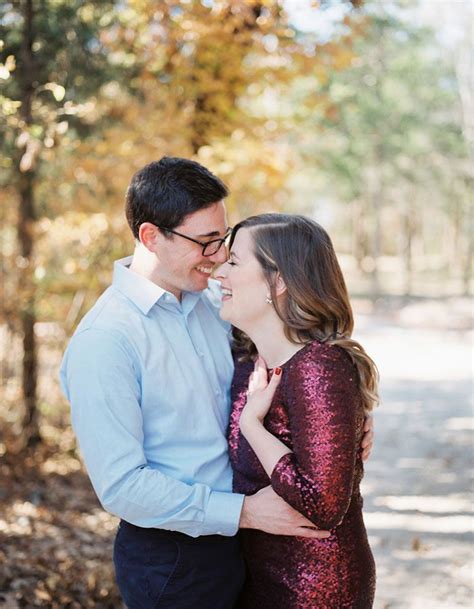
(317,413)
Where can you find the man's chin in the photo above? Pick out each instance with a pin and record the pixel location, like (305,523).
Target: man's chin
(198,285)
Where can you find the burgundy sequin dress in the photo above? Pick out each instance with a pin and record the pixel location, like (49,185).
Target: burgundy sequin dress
(317,413)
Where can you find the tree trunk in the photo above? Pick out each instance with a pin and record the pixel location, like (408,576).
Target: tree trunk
(377,188)
(408,252)
(375,195)
(469,256)
(26,219)
(359,245)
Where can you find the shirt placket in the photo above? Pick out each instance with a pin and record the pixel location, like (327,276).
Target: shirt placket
(195,332)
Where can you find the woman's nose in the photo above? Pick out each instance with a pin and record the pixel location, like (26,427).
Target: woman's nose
(219,272)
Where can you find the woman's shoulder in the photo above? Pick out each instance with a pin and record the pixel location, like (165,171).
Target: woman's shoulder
(319,356)
(323,369)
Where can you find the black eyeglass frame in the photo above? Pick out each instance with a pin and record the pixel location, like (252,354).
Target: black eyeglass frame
(203,244)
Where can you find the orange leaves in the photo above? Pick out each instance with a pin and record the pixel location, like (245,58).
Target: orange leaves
(227,82)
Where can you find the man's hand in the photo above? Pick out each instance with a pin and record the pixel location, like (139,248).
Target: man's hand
(268,512)
(368,437)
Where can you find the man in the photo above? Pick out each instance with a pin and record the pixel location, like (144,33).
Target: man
(148,373)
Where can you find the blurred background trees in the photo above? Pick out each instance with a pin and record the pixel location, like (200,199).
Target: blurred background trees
(359,114)
(54,64)
(395,151)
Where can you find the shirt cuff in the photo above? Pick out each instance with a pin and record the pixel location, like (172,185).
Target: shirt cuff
(222,514)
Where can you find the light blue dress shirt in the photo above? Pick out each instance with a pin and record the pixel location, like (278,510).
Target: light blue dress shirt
(148,380)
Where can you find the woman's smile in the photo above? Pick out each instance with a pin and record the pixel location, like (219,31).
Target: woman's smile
(226,293)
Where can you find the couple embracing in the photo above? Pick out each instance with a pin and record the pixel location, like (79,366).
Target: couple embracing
(224,419)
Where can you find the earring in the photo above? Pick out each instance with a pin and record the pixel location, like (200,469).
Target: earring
(268,300)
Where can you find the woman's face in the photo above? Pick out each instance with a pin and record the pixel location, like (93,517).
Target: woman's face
(244,288)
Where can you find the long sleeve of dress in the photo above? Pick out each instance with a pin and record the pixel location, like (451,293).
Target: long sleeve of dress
(326,418)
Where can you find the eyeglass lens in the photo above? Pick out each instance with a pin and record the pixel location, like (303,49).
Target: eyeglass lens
(214,246)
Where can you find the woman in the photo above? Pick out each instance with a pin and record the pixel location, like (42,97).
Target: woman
(300,431)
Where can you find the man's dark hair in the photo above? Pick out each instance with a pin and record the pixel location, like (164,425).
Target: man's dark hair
(166,191)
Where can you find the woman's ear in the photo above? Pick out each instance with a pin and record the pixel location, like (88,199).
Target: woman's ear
(280,285)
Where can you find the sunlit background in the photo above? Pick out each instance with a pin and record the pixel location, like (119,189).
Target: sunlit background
(359,114)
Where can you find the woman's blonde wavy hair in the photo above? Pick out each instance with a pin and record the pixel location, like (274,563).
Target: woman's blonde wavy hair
(317,304)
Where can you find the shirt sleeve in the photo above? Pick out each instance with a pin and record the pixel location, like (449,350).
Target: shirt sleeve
(100,378)
(326,418)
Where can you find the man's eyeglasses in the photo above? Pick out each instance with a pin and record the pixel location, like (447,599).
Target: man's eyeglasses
(209,248)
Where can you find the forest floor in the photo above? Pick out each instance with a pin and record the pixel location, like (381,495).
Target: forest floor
(56,541)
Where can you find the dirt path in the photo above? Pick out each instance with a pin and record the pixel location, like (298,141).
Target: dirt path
(418,482)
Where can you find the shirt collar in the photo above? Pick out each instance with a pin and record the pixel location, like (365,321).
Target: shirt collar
(144,293)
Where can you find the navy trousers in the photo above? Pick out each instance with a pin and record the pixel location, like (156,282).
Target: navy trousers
(157,569)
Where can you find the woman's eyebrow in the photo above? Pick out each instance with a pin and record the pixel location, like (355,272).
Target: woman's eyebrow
(232,253)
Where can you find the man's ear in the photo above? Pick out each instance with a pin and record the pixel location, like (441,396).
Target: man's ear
(149,234)
(280,285)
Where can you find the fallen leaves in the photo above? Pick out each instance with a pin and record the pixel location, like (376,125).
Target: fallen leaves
(55,539)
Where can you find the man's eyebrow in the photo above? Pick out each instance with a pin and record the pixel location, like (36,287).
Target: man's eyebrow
(214,233)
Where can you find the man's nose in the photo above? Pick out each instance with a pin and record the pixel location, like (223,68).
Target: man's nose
(220,256)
